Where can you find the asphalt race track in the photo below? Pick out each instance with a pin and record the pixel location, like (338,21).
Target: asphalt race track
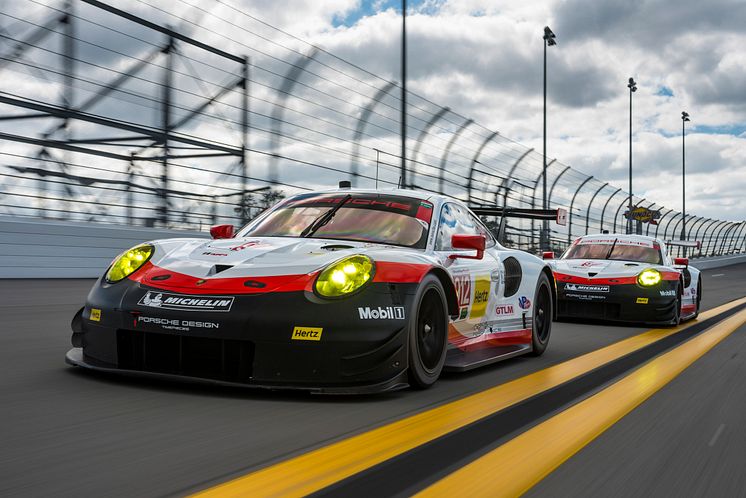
(67,432)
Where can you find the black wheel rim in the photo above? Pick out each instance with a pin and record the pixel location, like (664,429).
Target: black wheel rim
(542,314)
(430,330)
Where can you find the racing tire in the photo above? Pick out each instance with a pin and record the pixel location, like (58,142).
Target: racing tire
(428,334)
(699,298)
(541,323)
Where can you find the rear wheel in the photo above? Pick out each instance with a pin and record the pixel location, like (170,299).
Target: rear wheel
(542,316)
(428,334)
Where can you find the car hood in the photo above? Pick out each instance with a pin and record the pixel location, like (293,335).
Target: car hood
(265,256)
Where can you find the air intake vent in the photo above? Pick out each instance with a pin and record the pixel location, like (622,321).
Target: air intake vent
(219,268)
(513,276)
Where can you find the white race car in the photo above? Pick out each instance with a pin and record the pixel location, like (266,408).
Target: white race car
(625,278)
(334,291)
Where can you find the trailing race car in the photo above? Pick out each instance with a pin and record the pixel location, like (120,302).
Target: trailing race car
(334,291)
(625,278)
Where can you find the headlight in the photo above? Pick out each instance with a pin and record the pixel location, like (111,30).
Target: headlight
(649,277)
(129,262)
(345,276)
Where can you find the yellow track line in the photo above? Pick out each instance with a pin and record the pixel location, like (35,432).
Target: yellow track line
(538,451)
(317,469)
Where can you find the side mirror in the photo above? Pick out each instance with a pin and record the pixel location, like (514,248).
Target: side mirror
(681,262)
(547,255)
(475,242)
(222,231)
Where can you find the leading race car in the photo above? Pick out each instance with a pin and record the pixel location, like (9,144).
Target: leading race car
(334,291)
(625,278)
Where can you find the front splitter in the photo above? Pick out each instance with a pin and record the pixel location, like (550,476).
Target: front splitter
(75,358)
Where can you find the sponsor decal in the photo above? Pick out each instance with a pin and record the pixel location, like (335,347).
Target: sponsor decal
(504,309)
(180,302)
(524,302)
(481,297)
(95,315)
(586,297)
(464,313)
(306,333)
(209,253)
(586,288)
(176,323)
(463,289)
(381,313)
(589,264)
(642,300)
(668,293)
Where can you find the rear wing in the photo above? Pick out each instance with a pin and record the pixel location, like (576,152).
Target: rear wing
(558,215)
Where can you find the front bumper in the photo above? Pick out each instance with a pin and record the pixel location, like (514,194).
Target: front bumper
(620,302)
(76,358)
(254,344)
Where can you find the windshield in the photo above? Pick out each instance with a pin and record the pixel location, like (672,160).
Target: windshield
(623,250)
(379,218)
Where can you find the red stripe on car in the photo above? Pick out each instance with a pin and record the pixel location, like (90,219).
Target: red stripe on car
(400,273)
(152,275)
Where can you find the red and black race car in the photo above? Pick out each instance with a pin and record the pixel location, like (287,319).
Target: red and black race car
(625,278)
(334,291)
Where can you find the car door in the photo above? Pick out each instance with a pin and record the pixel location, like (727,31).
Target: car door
(476,280)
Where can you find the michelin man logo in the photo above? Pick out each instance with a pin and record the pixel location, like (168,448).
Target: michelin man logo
(153,302)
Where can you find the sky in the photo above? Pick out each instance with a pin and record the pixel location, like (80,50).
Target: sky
(483,59)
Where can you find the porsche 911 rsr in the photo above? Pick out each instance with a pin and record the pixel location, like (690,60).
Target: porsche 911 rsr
(625,278)
(334,291)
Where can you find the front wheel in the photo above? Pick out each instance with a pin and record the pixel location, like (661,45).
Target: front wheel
(542,316)
(428,334)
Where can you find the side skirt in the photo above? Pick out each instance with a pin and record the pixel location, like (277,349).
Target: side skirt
(461,361)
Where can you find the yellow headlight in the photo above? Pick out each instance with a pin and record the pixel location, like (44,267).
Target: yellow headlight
(345,276)
(649,277)
(129,262)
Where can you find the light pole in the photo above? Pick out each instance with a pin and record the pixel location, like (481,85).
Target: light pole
(684,119)
(632,88)
(549,40)
(403,119)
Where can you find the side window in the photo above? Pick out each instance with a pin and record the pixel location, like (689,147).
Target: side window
(454,219)
(484,231)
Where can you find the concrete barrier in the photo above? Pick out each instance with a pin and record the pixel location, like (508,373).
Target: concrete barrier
(718,261)
(35,248)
